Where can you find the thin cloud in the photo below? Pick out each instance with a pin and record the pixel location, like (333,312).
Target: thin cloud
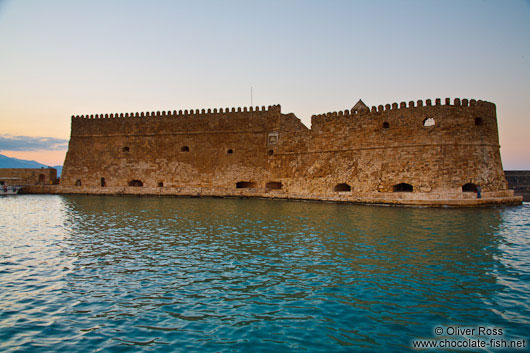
(31,143)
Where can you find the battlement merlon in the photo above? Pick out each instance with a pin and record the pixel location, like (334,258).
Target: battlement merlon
(242,119)
(378,110)
(215,112)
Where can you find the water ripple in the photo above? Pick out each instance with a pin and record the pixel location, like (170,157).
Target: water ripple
(86,274)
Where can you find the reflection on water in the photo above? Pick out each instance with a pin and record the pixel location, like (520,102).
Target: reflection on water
(119,273)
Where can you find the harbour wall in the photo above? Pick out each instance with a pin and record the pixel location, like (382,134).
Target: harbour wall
(28,176)
(519,182)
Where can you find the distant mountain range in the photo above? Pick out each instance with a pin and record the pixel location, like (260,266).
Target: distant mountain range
(8,162)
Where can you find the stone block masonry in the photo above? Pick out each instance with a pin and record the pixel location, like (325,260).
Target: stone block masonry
(28,176)
(407,154)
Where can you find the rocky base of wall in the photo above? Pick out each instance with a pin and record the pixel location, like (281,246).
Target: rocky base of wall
(505,197)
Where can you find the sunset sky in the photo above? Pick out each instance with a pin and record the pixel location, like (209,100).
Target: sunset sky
(60,58)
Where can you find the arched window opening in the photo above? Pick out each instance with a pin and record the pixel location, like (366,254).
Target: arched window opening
(342,187)
(270,152)
(275,185)
(136,182)
(469,187)
(403,187)
(386,125)
(160,184)
(479,121)
(125,149)
(78,182)
(184,149)
(230,151)
(103,182)
(429,122)
(42,178)
(245,184)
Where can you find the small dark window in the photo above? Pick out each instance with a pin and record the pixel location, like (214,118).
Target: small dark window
(386,125)
(429,122)
(125,149)
(184,149)
(136,182)
(245,184)
(403,187)
(469,187)
(276,185)
(42,178)
(230,151)
(78,182)
(160,184)
(342,187)
(103,182)
(270,152)
(479,121)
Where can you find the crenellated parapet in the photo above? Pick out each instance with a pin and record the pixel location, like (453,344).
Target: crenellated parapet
(203,113)
(401,107)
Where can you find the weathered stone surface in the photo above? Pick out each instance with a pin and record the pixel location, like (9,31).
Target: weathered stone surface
(264,153)
(28,176)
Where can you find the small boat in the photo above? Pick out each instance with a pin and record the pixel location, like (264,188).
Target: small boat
(8,190)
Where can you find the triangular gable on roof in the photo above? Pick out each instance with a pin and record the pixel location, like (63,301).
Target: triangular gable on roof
(360,106)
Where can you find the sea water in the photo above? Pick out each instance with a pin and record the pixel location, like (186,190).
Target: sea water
(87,273)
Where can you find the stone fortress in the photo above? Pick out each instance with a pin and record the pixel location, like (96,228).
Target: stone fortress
(418,153)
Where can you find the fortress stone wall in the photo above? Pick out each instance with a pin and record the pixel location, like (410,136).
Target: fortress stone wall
(418,153)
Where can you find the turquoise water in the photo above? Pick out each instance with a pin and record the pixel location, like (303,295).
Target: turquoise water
(83,274)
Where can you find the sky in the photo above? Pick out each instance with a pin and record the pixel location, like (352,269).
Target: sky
(60,58)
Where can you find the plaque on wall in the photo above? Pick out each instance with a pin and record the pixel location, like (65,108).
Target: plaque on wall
(272,139)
